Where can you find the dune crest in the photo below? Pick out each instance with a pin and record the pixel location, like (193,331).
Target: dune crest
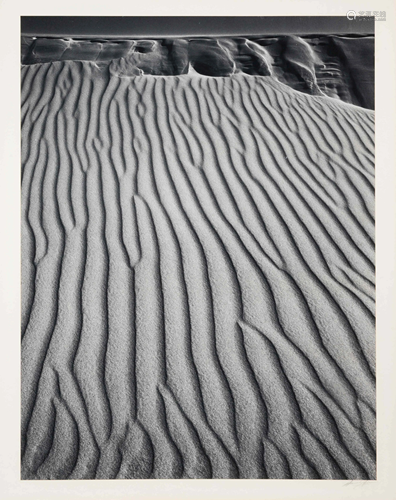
(341,67)
(197,278)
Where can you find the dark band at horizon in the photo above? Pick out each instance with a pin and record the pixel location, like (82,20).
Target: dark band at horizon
(138,26)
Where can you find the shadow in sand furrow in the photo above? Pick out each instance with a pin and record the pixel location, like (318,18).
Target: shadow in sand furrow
(198,295)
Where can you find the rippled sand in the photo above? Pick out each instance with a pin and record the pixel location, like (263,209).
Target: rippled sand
(197,278)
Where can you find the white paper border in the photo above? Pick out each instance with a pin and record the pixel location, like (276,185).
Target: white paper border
(11,487)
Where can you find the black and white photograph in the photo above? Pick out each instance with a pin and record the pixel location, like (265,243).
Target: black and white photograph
(198,249)
(198,265)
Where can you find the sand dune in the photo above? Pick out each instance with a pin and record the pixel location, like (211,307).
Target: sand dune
(197,278)
(341,67)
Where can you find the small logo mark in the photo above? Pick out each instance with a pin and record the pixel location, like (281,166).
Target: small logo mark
(351,15)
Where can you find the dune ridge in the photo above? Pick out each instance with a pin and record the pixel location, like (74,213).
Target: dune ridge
(198,282)
(338,66)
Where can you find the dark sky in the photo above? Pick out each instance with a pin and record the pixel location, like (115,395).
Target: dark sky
(91,26)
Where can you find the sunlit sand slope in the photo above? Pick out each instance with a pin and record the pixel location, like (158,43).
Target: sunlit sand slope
(197,278)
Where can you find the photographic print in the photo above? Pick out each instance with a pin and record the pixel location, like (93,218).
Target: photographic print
(198,248)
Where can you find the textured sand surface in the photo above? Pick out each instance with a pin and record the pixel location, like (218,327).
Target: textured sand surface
(197,278)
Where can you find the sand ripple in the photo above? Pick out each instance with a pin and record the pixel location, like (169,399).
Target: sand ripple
(198,278)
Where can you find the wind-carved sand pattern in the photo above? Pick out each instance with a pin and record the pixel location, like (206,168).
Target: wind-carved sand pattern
(197,278)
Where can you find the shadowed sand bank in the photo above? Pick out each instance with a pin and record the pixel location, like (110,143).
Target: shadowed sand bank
(197,278)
